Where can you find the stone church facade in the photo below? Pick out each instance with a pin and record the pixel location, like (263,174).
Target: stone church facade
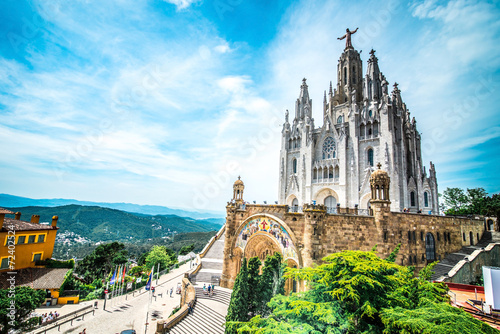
(363,124)
(332,197)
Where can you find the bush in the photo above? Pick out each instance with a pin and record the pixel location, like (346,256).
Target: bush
(96,294)
(50,263)
(174,311)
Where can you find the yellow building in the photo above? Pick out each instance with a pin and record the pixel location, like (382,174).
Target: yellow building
(24,243)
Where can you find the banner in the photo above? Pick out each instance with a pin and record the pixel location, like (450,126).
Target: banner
(148,284)
(113,279)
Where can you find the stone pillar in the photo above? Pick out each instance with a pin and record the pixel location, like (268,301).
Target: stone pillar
(230,232)
(313,217)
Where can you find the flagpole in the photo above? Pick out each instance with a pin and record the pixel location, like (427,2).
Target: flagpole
(123,280)
(158,274)
(114,285)
(148,287)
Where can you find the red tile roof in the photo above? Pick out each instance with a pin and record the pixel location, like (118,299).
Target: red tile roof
(35,278)
(20,225)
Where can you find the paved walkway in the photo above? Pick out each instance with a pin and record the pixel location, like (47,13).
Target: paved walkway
(126,313)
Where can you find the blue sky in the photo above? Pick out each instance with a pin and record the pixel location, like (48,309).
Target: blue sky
(166,102)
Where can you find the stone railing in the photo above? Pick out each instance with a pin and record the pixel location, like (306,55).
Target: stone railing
(188,297)
(469,269)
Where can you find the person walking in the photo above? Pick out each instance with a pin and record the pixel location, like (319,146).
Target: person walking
(204,289)
(209,288)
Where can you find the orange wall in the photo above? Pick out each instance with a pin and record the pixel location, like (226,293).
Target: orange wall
(24,252)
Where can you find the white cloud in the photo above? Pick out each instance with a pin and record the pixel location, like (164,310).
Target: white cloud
(182,4)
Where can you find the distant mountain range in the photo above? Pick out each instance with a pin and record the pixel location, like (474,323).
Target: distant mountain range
(7,200)
(104,224)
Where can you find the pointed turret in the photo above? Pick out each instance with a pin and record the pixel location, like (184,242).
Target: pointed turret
(374,79)
(396,97)
(303,106)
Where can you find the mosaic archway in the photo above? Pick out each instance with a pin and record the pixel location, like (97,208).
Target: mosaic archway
(263,236)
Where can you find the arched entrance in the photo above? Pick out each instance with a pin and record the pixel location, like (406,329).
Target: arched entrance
(430,248)
(261,246)
(262,236)
(490,224)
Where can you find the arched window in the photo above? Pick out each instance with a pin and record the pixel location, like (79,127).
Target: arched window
(337,172)
(412,198)
(329,148)
(375,129)
(426,199)
(330,173)
(430,247)
(370,157)
(354,74)
(295,202)
(294,166)
(330,202)
(345,75)
(409,236)
(411,260)
(471,237)
(340,119)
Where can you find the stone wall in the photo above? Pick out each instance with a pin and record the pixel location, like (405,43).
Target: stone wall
(317,234)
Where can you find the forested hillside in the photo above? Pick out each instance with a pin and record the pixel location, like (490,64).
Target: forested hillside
(104,224)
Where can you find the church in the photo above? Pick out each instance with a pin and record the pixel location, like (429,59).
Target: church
(356,182)
(362,124)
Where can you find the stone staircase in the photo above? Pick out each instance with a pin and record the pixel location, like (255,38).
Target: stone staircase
(446,264)
(203,320)
(211,263)
(221,296)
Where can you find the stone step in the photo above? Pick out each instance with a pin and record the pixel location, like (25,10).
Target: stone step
(207,277)
(203,320)
(216,251)
(219,295)
(444,267)
(211,265)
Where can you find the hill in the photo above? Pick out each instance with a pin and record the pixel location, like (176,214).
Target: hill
(95,223)
(7,200)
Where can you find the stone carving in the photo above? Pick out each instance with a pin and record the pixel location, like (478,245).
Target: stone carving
(347,36)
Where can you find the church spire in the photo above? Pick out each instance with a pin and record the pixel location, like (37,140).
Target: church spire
(374,79)
(303,106)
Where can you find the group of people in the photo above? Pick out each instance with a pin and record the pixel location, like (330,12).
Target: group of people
(405,210)
(48,317)
(208,290)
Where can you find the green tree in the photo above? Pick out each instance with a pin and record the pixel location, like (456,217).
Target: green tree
(101,261)
(238,306)
(357,292)
(253,285)
(186,249)
(271,282)
(455,200)
(158,254)
(16,305)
